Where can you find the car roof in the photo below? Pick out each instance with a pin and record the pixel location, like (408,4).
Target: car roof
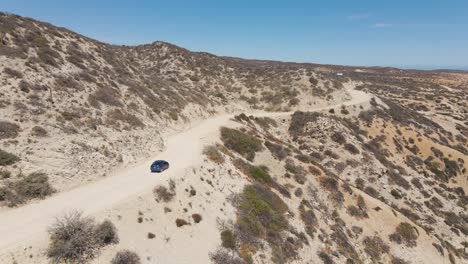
(159,161)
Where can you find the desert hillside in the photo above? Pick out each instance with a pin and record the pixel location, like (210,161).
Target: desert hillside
(271,162)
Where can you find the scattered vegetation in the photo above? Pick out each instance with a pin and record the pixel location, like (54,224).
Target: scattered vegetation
(162,193)
(242,143)
(213,154)
(277,151)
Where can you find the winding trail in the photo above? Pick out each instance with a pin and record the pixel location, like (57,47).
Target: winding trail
(20,225)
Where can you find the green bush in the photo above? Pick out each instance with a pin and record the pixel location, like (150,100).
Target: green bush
(35,185)
(406,234)
(240,142)
(260,174)
(261,211)
(228,239)
(7,158)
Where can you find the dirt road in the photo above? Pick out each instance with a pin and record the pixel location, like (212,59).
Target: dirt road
(29,222)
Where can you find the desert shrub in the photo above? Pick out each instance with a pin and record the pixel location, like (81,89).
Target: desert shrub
(356,212)
(359,183)
(126,257)
(242,117)
(213,154)
(4,174)
(344,111)
(35,185)
(242,143)
(325,257)
(73,239)
(371,191)
(8,130)
(332,186)
(331,154)
(298,192)
(397,260)
(12,72)
(338,138)
(375,247)
(24,86)
(406,234)
(224,257)
(309,219)
(125,117)
(314,170)
(258,173)
(150,235)
(197,218)
(105,95)
(163,194)
(181,222)
(277,151)
(298,171)
(351,148)
(260,211)
(228,239)
(395,193)
(106,233)
(344,246)
(299,121)
(266,122)
(39,131)
(7,158)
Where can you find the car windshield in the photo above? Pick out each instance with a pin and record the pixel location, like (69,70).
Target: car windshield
(158,163)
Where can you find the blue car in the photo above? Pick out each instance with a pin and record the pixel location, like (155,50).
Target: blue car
(159,166)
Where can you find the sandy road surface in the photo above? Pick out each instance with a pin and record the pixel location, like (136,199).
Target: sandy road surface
(20,225)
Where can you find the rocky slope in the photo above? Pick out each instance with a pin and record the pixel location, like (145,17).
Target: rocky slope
(75,108)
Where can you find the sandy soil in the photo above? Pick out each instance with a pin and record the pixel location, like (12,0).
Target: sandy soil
(20,226)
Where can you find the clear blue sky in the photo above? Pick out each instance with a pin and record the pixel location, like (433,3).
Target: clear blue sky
(409,33)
